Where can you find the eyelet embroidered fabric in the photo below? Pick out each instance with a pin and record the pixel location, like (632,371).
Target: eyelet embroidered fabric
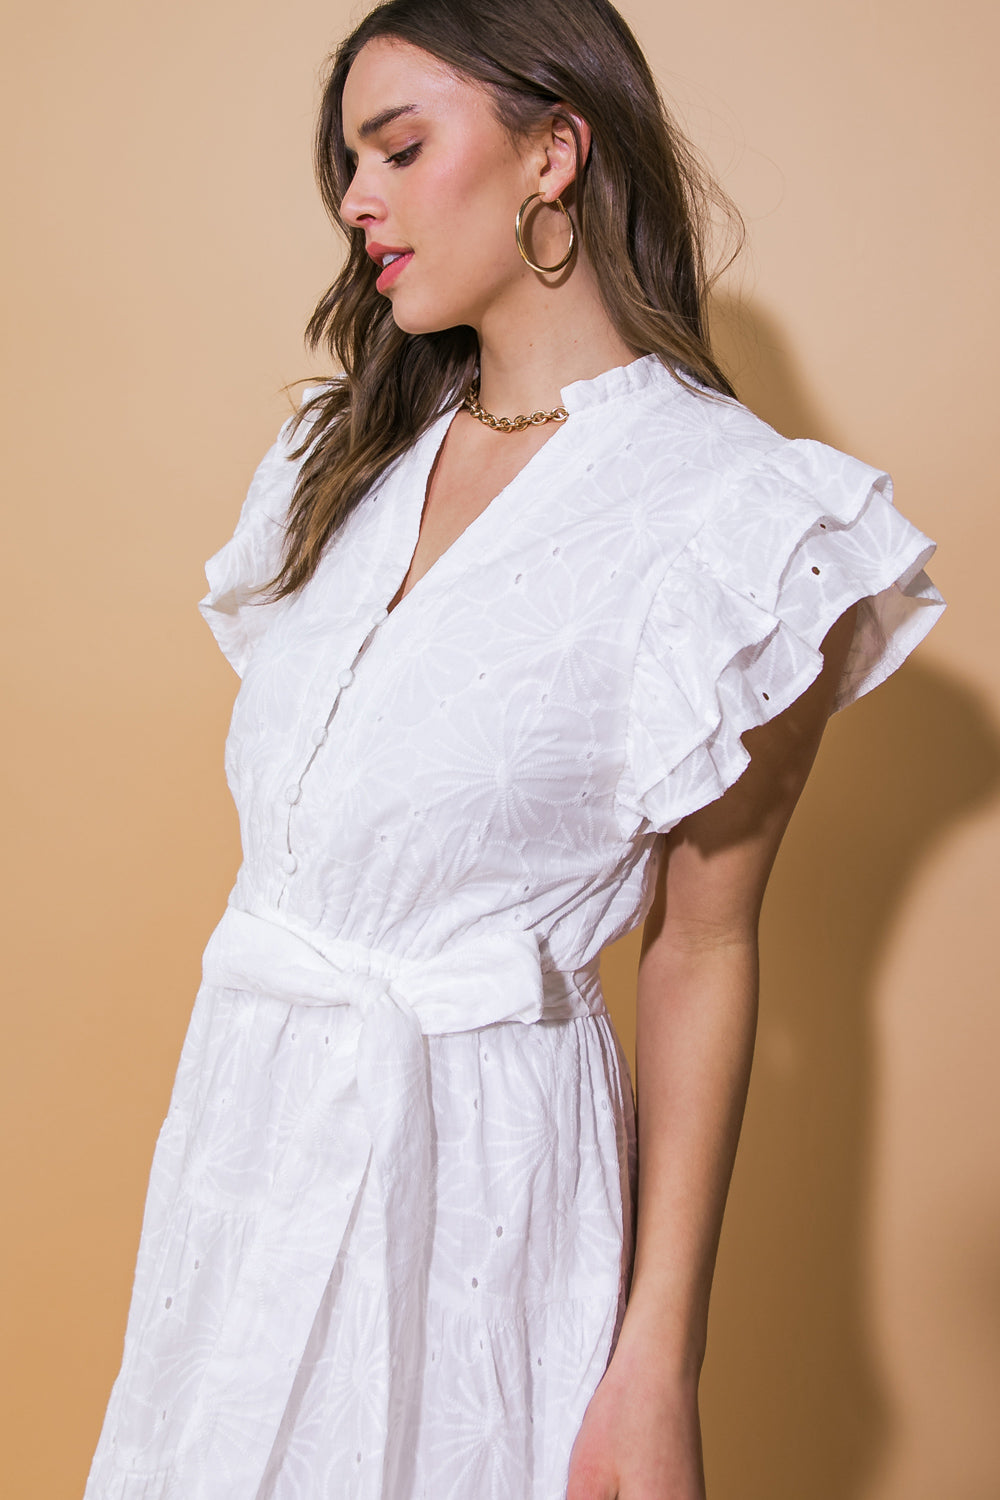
(389,1226)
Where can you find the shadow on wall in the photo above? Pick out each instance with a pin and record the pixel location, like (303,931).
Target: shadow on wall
(792,1392)
(791,1397)
(754,353)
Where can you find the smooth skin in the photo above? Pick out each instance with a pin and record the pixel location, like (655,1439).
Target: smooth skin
(444,180)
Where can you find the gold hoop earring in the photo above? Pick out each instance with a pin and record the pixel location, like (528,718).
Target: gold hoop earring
(518,225)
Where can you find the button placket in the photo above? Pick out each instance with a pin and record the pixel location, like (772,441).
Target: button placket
(315,738)
(327,686)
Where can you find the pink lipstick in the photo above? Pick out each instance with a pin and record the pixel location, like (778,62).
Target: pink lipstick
(393,270)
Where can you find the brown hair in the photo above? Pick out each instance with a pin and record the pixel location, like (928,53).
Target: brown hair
(642,203)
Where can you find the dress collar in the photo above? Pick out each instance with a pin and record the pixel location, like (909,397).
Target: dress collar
(623,380)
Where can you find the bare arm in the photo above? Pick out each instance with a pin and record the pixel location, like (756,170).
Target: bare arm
(695,1027)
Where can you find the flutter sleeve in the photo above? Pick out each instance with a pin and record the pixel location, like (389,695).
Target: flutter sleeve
(732,635)
(233,610)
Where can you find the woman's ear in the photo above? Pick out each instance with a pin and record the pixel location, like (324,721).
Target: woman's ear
(566,152)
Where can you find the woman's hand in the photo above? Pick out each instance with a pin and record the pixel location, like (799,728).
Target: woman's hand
(640,1438)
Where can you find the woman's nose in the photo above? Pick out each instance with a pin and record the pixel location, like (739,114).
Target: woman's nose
(360,206)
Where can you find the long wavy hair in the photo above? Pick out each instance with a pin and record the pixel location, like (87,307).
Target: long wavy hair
(643,205)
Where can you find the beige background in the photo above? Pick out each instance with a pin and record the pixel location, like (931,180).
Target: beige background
(164,247)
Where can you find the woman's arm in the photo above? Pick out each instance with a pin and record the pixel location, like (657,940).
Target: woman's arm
(695,1026)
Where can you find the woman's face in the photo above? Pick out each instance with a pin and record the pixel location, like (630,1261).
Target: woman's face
(438,183)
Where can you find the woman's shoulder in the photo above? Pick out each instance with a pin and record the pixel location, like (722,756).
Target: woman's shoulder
(235,609)
(689,469)
(748,499)
(676,415)
(789,535)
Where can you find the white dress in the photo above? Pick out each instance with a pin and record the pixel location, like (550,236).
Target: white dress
(389,1226)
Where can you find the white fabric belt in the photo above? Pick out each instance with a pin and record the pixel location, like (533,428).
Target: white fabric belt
(372,1108)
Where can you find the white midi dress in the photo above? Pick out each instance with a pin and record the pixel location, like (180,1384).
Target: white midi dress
(389,1227)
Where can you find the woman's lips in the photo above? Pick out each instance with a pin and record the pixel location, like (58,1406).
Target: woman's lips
(392,270)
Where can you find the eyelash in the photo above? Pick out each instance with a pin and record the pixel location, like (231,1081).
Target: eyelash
(403,158)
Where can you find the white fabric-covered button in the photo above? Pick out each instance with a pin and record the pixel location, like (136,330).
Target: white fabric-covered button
(346,677)
(289,864)
(379,616)
(292,793)
(318,736)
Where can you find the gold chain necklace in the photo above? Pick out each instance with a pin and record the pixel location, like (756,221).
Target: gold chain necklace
(508,424)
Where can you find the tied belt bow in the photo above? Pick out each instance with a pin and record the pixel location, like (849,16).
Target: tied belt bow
(370,1110)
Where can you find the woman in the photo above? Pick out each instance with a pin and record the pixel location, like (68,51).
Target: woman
(508,688)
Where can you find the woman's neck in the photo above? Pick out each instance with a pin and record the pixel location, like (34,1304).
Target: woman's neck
(542,339)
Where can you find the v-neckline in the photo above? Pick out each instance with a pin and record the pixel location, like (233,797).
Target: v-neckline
(417,465)
(425,460)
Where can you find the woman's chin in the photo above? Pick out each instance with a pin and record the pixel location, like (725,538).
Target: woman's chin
(410,317)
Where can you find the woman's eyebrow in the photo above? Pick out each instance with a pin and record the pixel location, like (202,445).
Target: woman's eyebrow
(385,117)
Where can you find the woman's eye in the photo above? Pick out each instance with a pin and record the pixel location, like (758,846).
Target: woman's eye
(404,157)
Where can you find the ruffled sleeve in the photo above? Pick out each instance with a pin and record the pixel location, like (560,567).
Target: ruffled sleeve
(234,613)
(733,633)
